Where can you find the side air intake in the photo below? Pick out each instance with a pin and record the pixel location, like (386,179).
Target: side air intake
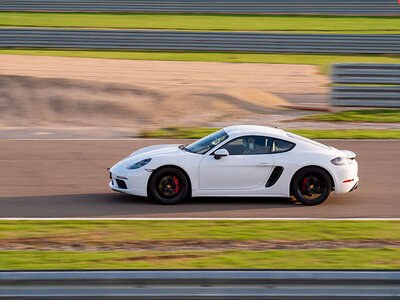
(276,173)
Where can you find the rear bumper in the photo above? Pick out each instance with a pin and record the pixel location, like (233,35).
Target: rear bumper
(354,187)
(346,178)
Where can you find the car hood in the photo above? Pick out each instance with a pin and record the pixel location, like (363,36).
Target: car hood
(150,152)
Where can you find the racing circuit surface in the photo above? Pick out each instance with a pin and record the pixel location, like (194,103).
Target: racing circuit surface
(69,178)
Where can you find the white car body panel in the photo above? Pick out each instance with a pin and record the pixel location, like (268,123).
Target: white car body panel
(236,172)
(237,175)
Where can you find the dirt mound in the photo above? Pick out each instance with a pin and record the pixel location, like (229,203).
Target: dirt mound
(258,98)
(48,102)
(62,93)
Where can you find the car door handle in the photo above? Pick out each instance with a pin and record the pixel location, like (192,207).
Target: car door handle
(264,165)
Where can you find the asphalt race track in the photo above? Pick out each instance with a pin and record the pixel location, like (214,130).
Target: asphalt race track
(69,178)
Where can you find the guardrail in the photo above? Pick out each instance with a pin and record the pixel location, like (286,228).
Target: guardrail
(378,85)
(336,7)
(199,41)
(194,284)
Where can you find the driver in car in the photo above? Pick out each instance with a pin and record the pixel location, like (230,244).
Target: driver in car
(248,144)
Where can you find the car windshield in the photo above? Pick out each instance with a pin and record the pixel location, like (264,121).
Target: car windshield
(208,142)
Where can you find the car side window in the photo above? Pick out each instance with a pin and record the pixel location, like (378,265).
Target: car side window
(249,145)
(281,146)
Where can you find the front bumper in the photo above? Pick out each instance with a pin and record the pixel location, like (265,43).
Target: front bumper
(132,182)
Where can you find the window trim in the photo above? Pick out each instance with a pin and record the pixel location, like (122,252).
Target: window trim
(264,136)
(291,148)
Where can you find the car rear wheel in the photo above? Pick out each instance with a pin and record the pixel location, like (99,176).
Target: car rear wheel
(311,186)
(168,186)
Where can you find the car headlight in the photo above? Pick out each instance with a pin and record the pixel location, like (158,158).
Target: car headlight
(341,161)
(139,164)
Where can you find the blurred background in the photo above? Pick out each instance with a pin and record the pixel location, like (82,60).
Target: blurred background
(109,69)
(83,83)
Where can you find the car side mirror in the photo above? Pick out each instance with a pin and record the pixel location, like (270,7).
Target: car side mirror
(220,153)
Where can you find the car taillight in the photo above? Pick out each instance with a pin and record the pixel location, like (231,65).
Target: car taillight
(341,161)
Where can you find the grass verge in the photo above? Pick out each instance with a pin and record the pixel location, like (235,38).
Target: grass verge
(367,115)
(322,60)
(179,133)
(196,133)
(272,23)
(101,232)
(110,230)
(348,134)
(386,258)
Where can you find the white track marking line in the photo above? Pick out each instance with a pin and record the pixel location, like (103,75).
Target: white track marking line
(200,219)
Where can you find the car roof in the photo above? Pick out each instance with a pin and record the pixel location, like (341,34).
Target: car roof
(240,130)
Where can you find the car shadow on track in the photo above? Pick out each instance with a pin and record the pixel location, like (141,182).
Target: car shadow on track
(114,204)
(200,203)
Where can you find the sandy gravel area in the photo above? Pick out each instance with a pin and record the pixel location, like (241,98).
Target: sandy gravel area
(64,97)
(172,75)
(128,96)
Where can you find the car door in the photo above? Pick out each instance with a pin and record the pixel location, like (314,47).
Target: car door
(247,166)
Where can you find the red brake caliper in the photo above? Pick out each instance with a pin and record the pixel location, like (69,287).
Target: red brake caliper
(303,186)
(176,181)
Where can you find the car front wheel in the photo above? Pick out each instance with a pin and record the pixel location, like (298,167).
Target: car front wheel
(168,186)
(311,186)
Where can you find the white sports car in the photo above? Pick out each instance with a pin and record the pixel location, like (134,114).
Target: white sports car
(244,161)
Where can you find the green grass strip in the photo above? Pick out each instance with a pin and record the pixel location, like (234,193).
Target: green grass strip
(129,230)
(366,115)
(348,134)
(196,133)
(179,133)
(271,23)
(387,258)
(103,231)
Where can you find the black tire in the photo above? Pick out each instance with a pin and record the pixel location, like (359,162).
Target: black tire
(311,186)
(168,186)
